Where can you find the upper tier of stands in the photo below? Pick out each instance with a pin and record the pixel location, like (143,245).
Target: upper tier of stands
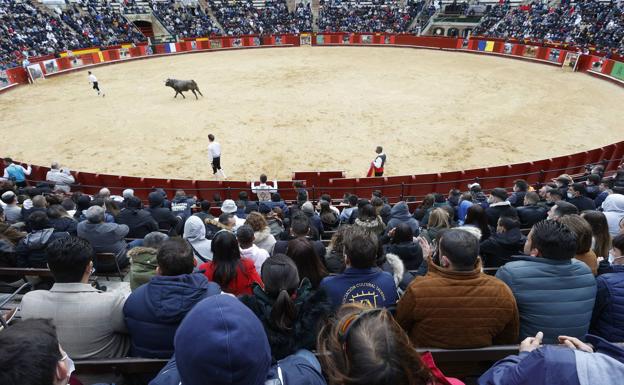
(30,29)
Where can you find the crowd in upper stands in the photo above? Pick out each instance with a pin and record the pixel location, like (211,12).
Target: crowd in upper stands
(538,264)
(582,23)
(185,20)
(27,30)
(378,16)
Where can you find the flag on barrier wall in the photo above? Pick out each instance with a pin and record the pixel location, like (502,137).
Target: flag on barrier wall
(489,46)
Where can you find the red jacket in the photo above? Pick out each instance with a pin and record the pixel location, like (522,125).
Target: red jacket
(246,275)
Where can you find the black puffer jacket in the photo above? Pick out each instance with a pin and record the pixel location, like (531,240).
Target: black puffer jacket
(498,249)
(409,252)
(312,308)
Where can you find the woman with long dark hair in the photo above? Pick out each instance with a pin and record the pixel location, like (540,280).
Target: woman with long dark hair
(234,274)
(366,346)
(475,217)
(308,263)
(288,308)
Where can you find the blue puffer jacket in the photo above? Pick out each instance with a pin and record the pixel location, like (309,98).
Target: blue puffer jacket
(608,317)
(554,297)
(154,311)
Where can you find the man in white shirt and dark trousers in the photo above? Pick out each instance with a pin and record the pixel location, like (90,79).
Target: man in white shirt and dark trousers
(263,190)
(94,81)
(214,151)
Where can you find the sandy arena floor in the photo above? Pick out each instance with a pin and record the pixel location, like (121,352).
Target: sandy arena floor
(281,110)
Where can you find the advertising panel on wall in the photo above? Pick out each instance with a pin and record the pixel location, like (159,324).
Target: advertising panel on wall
(305,39)
(50,66)
(237,42)
(215,43)
(320,39)
(124,53)
(508,48)
(366,39)
(554,55)
(256,41)
(530,51)
(35,72)
(345,39)
(618,70)
(278,40)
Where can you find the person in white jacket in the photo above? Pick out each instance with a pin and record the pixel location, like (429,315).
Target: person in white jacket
(248,249)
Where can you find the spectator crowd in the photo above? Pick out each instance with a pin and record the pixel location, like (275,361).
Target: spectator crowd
(243,290)
(582,23)
(29,30)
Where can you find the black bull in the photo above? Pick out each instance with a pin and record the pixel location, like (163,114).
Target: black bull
(183,85)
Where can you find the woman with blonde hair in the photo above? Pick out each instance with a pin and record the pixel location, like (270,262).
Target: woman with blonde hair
(438,220)
(366,346)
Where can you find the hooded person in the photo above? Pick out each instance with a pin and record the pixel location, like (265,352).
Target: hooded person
(502,245)
(238,352)
(195,234)
(613,208)
(31,250)
(154,311)
(400,214)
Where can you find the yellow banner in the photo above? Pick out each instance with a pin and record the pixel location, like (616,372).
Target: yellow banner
(489,46)
(79,52)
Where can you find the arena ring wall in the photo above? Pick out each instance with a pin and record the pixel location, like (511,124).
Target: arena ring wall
(335,182)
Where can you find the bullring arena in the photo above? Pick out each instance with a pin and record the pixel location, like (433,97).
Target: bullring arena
(280,110)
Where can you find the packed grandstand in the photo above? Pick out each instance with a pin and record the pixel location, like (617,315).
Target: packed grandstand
(31,29)
(496,276)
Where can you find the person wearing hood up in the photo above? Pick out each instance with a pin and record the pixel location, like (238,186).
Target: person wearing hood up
(154,311)
(507,241)
(195,235)
(613,208)
(400,214)
(163,216)
(238,352)
(31,250)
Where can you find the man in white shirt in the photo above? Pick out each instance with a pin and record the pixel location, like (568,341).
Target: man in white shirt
(61,178)
(263,190)
(93,80)
(214,152)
